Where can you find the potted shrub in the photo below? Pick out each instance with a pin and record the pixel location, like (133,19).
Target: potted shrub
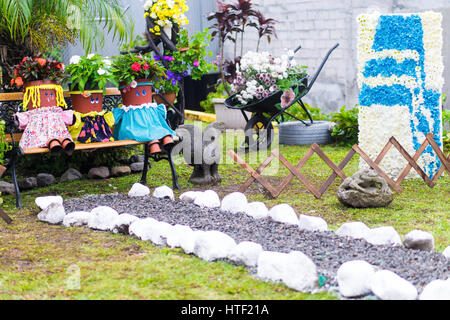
(139,118)
(88,78)
(45,122)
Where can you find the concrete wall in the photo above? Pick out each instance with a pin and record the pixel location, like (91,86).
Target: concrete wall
(318,24)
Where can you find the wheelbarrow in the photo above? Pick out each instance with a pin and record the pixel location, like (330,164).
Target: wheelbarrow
(259,128)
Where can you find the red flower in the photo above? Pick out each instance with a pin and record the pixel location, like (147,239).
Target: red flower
(59,65)
(18,81)
(136,67)
(41,61)
(145,66)
(12,81)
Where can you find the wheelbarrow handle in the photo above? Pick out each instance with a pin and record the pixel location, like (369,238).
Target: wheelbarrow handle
(321,66)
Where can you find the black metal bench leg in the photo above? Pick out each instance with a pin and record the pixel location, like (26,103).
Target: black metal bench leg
(174,171)
(16,184)
(146,158)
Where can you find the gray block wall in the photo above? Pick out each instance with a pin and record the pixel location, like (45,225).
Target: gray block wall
(318,24)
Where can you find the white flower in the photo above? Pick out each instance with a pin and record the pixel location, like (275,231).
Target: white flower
(74,60)
(91,55)
(133,84)
(101,71)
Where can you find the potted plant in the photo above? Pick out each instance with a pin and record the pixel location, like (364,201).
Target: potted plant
(88,78)
(139,119)
(44,123)
(189,59)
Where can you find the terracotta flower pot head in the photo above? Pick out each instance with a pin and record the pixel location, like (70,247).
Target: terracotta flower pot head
(137,93)
(47,96)
(87,101)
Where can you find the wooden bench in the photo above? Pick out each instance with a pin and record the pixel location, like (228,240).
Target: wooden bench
(10,103)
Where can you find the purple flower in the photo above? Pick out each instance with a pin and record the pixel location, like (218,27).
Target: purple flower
(185,74)
(174,82)
(157,58)
(179,77)
(196,63)
(169,58)
(170,74)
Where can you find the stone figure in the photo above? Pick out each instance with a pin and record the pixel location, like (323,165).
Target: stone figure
(365,189)
(202,151)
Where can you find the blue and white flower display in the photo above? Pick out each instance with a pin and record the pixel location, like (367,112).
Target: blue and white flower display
(400,79)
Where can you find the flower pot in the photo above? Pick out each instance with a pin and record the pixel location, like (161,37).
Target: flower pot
(47,96)
(169,96)
(233,119)
(87,101)
(140,94)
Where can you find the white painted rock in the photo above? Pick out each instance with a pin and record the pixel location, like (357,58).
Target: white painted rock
(160,232)
(213,245)
(139,190)
(177,235)
(436,290)
(311,223)
(420,240)
(123,222)
(300,272)
(76,219)
(271,265)
(383,236)
(246,253)
(283,213)
(44,202)
(142,228)
(102,218)
(257,210)
(446,253)
(54,213)
(208,199)
(386,285)
(188,241)
(357,230)
(190,196)
(354,278)
(234,202)
(164,192)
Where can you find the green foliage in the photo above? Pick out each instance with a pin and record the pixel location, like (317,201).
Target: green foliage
(194,59)
(297,111)
(89,72)
(44,24)
(129,67)
(446,125)
(346,130)
(295,78)
(82,161)
(4,146)
(219,93)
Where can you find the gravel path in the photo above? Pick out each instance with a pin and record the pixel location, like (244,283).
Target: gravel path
(326,249)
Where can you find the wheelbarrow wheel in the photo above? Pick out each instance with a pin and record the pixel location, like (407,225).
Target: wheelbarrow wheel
(258,133)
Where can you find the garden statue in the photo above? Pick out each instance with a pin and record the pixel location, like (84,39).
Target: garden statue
(365,189)
(202,151)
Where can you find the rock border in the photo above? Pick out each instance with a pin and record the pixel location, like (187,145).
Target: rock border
(356,279)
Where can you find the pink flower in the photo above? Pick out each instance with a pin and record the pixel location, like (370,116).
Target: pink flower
(145,66)
(136,67)
(196,63)
(287,98)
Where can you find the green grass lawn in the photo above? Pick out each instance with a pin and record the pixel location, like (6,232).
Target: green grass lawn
(37,260)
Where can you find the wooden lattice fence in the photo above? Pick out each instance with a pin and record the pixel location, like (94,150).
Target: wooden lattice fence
(275,191)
